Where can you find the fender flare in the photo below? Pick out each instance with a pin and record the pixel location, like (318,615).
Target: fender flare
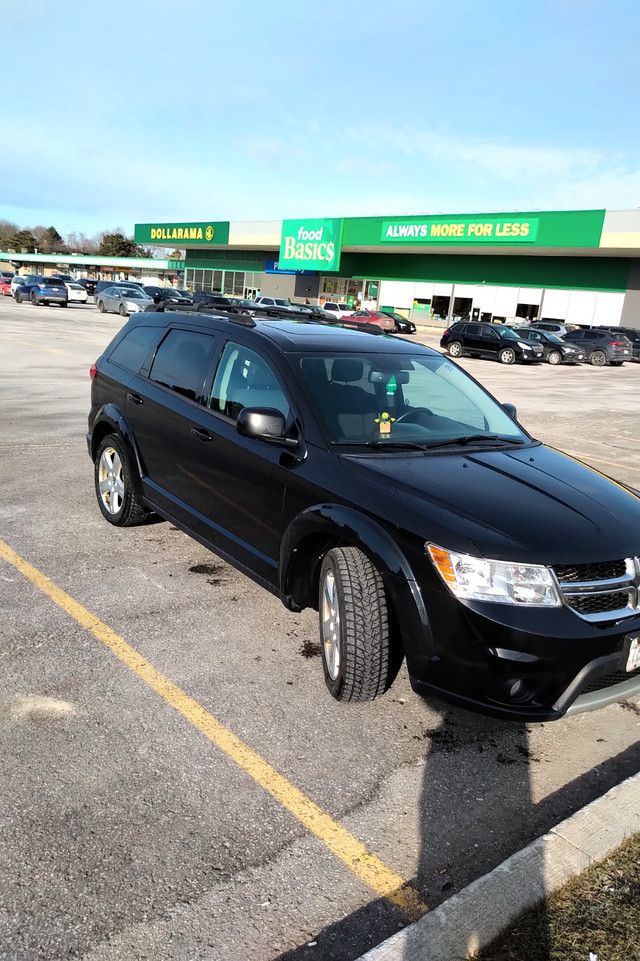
(114,417)
(323,526)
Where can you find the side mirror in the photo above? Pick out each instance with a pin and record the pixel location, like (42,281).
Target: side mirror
(264,423)
(511,410)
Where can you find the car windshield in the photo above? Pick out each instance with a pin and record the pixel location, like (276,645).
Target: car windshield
(134,294)
(282,303)
(553,338)
(403,401)
(508,334)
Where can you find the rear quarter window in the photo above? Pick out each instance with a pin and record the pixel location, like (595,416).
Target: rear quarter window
(183,361)
(134,348)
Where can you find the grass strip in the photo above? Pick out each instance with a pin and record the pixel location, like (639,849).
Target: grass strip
(594,916)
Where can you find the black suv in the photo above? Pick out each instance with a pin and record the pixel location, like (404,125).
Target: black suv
(376,481)
(633,334)
(489,340)
(168,295)
(601,346)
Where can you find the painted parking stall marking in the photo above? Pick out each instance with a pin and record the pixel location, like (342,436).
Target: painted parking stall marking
(368,868)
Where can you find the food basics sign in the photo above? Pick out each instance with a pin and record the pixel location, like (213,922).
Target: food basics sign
(310,245)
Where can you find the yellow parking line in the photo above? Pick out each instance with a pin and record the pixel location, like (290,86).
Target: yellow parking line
(623,437)
(611,463)
(27,343)
(370,869)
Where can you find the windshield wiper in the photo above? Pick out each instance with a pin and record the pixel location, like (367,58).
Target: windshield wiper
(406,444)
(474,438)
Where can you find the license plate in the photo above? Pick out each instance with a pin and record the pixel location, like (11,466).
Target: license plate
(633,661)
(580,356)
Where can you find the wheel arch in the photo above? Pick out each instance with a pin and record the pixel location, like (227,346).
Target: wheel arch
(318,529)
(111,420)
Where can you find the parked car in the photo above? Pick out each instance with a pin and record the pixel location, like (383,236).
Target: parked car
(601,345)
(88,284)
(495,341)
(633,333)
(122,300)
(7,275)
(77,293)
(167,295)
(373,479)
(552,326)
(338,309)
(43,290)
(403,324)
(5,286)
(554,349)
(376,317)
(104,284)
(279,303)
(25,281)
(207,299)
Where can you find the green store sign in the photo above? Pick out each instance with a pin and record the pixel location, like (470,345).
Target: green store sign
(310,244)
(207,232)
(460,230)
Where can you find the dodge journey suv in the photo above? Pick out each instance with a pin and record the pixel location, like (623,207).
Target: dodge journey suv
(374,480)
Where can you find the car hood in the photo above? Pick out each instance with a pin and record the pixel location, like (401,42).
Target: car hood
(535,504)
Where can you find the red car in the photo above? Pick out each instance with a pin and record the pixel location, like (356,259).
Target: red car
(5,286)
(376,317)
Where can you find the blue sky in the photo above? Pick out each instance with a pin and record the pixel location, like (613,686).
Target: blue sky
(157,110)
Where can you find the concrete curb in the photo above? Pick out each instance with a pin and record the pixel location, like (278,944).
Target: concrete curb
(471,919)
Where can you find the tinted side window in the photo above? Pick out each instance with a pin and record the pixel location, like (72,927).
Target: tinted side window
(244,379)
(131,352)
(182,362)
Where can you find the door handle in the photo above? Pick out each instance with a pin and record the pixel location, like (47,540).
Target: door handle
(201,433)
(136,398)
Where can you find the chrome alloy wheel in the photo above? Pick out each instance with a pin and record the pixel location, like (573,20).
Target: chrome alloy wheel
(110,480)
(330,625)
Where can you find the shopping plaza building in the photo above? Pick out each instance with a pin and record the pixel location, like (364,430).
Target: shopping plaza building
(580,266)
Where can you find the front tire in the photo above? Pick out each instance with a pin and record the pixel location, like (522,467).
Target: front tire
(116,484)
(354,627)
(507,355)
(598,358)
(122,310)
(455,349)
(554,357)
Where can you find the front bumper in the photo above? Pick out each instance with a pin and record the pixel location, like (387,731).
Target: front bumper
(535,665)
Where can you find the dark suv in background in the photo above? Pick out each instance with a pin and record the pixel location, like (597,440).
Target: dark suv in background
(494,341)
(372,479)
(601,345)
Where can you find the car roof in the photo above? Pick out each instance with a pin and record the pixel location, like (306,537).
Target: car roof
(291,335)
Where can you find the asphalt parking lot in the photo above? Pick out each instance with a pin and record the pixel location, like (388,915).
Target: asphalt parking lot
(175,780)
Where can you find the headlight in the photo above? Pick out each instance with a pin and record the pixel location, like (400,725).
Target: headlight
(525,346)
(478,579)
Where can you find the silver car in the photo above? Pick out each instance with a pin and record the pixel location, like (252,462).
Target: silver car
(123,300)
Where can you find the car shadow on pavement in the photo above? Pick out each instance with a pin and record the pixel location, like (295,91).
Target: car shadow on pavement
(477,808)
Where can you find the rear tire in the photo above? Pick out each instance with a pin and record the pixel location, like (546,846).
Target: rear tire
(598,358)
(101,307)
(358,661)
(116,484)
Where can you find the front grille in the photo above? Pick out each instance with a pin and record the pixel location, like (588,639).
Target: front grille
(608,680)
(595,603)
(601,591)
(590,572)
